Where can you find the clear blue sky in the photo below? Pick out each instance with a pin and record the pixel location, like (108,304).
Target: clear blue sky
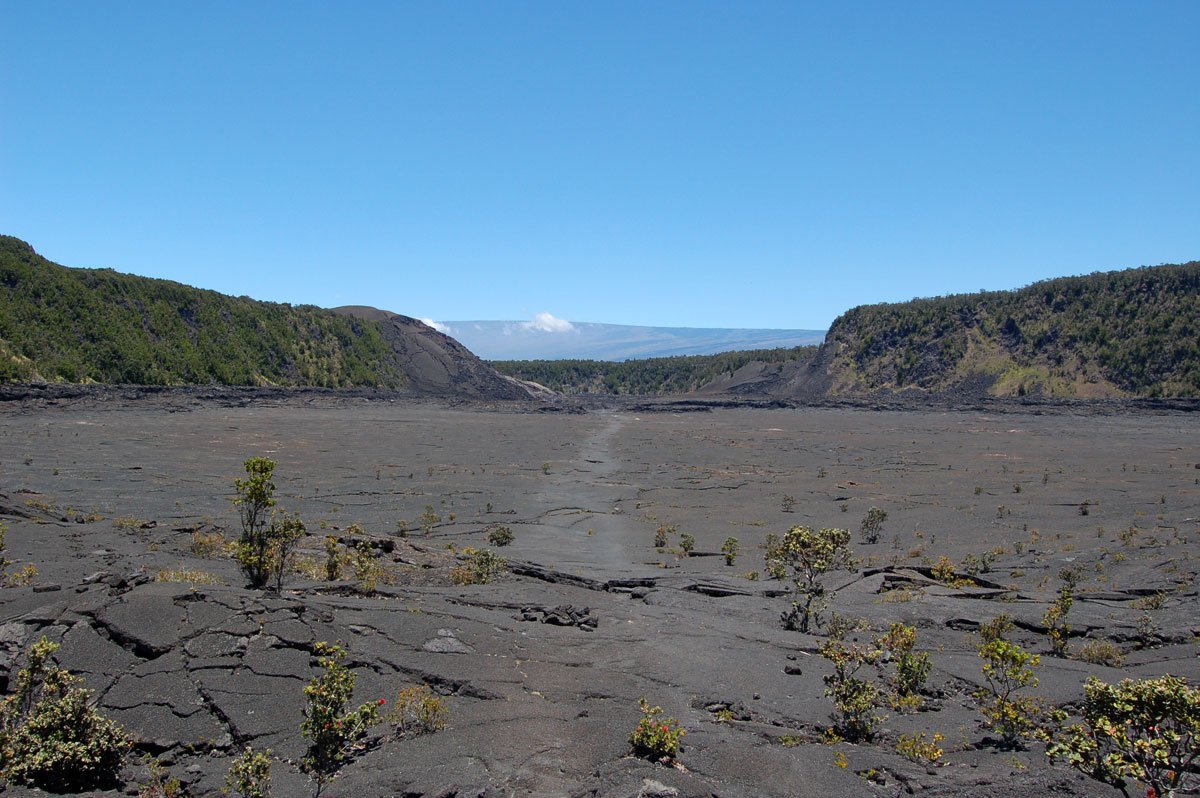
(691,164)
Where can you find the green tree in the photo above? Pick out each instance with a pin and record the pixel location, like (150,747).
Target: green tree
(334,734)
(265,547)
(1146,730)
(810,554)
(51,737)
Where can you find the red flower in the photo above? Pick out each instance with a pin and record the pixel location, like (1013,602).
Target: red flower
(382,701)
(666,729)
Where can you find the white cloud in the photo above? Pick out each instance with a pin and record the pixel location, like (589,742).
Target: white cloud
(442,328)
(544,322)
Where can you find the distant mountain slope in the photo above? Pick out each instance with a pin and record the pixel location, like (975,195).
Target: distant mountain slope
(435,363)
(1127,333)
(515,340)
(651,376)
(62,324)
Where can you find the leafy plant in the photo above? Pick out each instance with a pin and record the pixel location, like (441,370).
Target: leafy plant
(810,554)
(774,561)
(1008,670)
(482,567)
(250,774)
(1055,619)
(661,534)
(501,536)
(655,737)
(51,737)
(429,519)
(687,543)
(162,784)
(916,748)
(1142,729)
(367,570)
(417,711)
(872,525)
(334,734)
(788,503)
(730,549)
(264,550)
(855,699)
(912,667)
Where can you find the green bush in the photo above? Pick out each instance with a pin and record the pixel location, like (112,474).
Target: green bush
(250,774)
(855,699)
(501,536)
(655,737)
(1142,729)
(730,549)
(1008,670)
(687,543)
(912,667)
(810,554)
(334,734)
(51,737)
(417,711)
(264,550)
(482,566)
(872,525)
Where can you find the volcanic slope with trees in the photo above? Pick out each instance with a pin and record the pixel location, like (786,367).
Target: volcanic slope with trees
(1126,333)
(60,324)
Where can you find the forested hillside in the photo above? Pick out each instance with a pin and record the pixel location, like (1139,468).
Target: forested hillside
(1133,332)
(81,325)
(660,375)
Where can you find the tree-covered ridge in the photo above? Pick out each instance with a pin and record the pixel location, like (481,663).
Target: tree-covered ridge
(95,325)
(660,375)
(1134,332)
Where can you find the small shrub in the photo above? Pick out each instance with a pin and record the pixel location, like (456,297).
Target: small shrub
(51,737)
(730,549)
(482,567)
(417,711)
(367,570)
(854,699)
(1055,620)
(774,561)
(250,774)
(1084,508)
(1008,669)
(1101,652)
(661,535)
(872,525)
(1154,601)
(915,748)
(687,544)
(333,559)
(264,550)
(943,570)
(429,519)
(500,536)
(912,667)
(788,503)
(655,738)
(334,734)
(1143,729)
(811,554)
(162,784)
(22,576)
